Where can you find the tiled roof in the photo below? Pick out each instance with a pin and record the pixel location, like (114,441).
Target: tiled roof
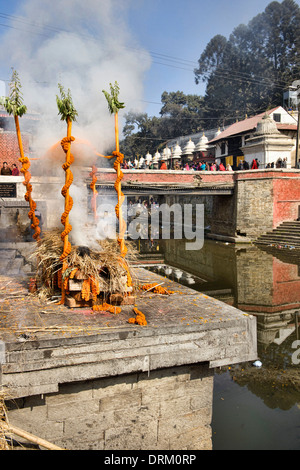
(242,126)
(287,127)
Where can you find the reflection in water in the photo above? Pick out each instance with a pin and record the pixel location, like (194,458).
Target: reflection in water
(267,286)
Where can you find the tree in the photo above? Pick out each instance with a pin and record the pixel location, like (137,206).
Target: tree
(180,115)
(248,72)
(185,112)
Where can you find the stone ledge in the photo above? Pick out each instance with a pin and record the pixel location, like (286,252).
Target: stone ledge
(184,328)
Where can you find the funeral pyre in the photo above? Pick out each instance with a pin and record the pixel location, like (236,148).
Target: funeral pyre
(97,278)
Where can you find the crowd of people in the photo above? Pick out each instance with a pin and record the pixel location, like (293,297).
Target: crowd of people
(142,164)
(196,166)
(7,171)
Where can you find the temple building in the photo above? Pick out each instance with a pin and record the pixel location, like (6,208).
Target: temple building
(234,144)
(268,145)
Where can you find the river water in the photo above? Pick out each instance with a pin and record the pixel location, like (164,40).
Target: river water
(254,408)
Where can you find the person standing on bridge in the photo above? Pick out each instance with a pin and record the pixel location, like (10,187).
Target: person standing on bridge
(5,170)
(15,170)
(163,165)
(254,165)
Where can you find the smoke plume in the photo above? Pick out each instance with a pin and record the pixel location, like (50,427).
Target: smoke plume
(83,45)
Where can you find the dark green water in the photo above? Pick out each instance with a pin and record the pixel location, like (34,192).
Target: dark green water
(253,408)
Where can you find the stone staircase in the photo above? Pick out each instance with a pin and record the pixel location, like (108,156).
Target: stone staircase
(285,236)
(12,263)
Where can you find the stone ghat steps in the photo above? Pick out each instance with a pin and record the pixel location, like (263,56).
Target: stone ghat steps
(287,235)
(12,263)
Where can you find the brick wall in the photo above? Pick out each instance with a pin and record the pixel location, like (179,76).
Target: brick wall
(9,148)
(171,409)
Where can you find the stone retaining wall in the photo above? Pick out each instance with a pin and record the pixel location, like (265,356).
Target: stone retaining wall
(168,410)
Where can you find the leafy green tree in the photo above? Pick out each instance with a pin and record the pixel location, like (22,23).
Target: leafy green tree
(180,115)
(248,72)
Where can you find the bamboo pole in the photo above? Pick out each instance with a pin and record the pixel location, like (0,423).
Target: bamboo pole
(67,177)
(66,145)
(117,132)
(25,166)
(118,188)
(30,437)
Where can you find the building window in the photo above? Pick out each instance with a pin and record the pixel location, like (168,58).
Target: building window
(223,148)
(277,117)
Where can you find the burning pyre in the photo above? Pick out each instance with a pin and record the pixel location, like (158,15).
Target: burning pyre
(96,278)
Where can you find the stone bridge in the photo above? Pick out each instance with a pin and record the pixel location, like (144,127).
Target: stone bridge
(162,182)
(240,205)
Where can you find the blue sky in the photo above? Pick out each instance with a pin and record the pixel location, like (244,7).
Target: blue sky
(175,32)
(182,29)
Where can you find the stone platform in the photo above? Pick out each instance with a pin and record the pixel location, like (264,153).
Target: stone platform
(44,345)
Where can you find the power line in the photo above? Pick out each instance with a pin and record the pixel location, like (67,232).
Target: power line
(186,64)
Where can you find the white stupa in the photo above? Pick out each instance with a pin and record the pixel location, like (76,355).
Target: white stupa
(156,159)
(202,145)
(176,152)
(148,158)
(189,148)
(166,155)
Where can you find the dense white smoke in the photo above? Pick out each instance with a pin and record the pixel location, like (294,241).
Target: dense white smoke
(84,45)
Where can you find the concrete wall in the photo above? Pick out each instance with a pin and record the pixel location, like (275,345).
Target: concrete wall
(171,409)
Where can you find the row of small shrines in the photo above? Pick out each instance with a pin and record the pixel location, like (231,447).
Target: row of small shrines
(176,156)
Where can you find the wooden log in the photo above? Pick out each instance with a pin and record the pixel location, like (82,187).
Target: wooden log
(30,437)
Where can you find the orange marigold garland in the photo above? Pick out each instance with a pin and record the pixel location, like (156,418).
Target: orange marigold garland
(66,146)
(32,204)
(106,308)
(13,104)
(93,175)
(95,288)
(156,289)
(114,105)
(68,113)
(121,199)
(140,318)
(86,290)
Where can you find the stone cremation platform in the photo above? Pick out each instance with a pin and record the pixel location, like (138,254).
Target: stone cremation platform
(44,345)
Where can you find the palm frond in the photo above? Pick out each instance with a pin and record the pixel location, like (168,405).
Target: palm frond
(113,98)
(65,105)
(13,103)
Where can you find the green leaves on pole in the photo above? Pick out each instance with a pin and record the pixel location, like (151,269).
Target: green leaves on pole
(13,103)
(113,98)
(65,105)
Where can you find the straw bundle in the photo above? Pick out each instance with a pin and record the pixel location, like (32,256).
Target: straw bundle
(103,264)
